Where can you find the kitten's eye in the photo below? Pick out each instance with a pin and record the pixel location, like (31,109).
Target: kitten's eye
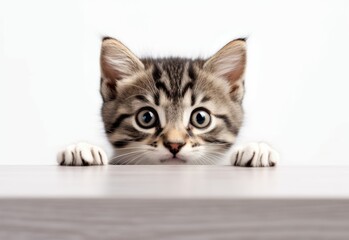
(147,117)
(200,118)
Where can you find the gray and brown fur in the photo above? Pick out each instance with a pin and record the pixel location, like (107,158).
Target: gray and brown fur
(173,87)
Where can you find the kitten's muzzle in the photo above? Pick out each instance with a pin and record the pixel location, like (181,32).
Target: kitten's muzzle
(174,147)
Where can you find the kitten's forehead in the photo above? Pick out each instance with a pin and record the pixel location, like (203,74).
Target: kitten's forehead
(179,87)
(173,82)
(174,113)
(173,67)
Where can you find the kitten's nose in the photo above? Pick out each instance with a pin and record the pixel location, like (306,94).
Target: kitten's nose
(174,147)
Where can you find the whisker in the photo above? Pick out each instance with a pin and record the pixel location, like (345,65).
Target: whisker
(201,162)
(214,144)
(222,154)
(120,149)
(133,159)
(195,162)
(212,162)
(125,159)
(207,159)
(116,157)
(203,159)
(214,156)
(140,160)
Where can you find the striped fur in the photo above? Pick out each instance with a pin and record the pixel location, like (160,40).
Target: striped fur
(174,88)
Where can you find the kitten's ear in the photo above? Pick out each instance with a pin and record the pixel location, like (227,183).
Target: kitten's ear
(117,63)
(229,63)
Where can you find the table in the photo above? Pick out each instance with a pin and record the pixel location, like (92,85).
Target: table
(174,202)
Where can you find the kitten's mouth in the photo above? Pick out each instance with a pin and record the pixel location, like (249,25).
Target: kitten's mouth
(173,160)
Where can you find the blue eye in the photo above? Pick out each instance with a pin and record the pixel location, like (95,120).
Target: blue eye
(146,117)
(200,118)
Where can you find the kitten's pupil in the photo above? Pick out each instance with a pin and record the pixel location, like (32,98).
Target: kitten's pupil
(200,117)
(147,117)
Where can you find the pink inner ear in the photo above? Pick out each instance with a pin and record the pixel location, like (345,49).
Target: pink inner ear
(117,61)
(235,79)
(234,88)
(109,72)
(237,73)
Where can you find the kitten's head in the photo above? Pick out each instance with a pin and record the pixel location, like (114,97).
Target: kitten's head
(172,110)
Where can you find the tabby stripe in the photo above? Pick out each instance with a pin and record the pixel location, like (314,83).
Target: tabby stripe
(190,132)
(162,86)
(142,98)
(156,99)
(118,122)
(158,131)
(130,128)
(216,130)
(124,142)
(193,76)
(193,99)
(205,99)
(120,144)
(132,132)
(215,140)
(187,86)
(156,76)
(156,73)
(191,72)
(229,124)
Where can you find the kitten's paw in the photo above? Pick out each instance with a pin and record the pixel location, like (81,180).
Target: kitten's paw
(254,155)
(82,154)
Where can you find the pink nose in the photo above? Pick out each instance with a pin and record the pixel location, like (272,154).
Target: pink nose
(174,147)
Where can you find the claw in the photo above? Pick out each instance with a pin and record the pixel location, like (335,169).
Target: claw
(255,155)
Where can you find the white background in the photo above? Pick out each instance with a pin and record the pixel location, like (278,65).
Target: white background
(297,77)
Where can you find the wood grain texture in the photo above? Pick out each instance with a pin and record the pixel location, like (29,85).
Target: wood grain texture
(173,202)
(173,219)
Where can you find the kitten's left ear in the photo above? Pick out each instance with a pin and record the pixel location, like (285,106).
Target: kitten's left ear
(229,63)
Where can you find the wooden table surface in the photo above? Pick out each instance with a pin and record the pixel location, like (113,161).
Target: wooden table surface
(188,182)
(173,202)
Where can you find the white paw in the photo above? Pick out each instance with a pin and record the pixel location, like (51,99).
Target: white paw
(254,155)
(82,154)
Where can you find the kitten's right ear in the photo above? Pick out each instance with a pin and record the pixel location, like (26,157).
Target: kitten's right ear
(117,63)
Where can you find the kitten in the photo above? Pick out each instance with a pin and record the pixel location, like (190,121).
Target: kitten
(172,110)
